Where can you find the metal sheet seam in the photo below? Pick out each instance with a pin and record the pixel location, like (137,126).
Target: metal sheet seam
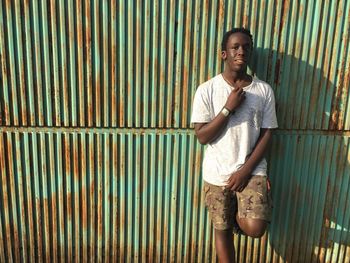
(4,129)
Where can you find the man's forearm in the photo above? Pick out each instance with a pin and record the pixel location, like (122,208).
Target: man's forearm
(259,151)
(207,132)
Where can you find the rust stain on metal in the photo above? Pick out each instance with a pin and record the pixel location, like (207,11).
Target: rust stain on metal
(335,122)
(88,54)
(277,71)
(69,206)
(27,3)
(76,162)
(84,209)
(12,186)
(285,11)
(67,154)
(245,21)
(221,9)
(92,188)
(185,81)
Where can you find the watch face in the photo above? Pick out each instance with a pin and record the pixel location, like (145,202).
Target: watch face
(225,111)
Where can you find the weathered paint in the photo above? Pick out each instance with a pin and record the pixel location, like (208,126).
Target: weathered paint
(98,160)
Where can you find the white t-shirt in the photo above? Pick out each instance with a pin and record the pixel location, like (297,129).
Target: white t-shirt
(227,153)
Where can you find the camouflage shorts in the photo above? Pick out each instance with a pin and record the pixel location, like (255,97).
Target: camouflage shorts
(253,202)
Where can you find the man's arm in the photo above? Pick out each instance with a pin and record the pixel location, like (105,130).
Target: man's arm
(207,132)
(239,179)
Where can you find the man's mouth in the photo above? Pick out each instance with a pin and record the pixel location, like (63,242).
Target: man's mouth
(240,61)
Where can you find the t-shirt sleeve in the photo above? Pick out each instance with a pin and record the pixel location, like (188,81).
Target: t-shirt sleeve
(269,115)
(201,110)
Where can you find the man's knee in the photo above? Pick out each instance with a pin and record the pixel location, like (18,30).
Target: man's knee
(255,232)
(253,227)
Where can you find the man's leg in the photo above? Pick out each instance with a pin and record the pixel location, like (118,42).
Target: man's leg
(224,246)
(254,207)
(222,206)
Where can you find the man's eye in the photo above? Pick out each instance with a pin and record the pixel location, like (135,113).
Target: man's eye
(236,47)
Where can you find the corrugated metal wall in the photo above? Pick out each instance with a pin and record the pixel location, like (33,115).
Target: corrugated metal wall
(97,156)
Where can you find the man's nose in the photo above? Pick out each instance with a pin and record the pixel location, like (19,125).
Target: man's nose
(241,50)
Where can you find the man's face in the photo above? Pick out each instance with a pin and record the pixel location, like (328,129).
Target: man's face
(237,53)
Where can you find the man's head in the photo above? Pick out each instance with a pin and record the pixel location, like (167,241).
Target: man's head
(237,46)
(233,31)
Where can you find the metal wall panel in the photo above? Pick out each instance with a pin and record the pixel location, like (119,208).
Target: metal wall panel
(97,156)
(138,63)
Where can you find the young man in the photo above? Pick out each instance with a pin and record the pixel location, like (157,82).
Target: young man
(233,113)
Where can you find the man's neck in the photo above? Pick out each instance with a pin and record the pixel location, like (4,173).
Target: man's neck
(234,77)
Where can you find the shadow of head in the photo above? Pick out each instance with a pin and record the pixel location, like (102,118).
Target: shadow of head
(309,158)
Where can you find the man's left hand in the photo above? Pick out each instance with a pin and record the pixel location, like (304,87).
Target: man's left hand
(238,180)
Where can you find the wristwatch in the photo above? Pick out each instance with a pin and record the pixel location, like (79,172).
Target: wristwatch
(225,111)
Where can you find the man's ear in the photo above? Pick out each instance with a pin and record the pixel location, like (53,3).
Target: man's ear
(223,55)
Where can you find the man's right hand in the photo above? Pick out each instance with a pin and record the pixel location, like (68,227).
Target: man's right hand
(236,97)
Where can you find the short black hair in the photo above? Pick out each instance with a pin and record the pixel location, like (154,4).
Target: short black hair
(232,31)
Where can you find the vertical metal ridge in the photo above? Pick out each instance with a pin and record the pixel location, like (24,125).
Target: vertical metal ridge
(91,199)
(178,63)
(55,76)
(96,55)
(137,73)
(52,199)
(115,176)
(84,156)
(62,36)
(2,245)
(203,39)
(99,183)
(6,202)
(121,63)
(67,191)
(29,199)
(5,111)
(144,201)
(13,184)
(107,197)
(47,86)
(60,188)
(161,55)
(158,172)
(122,208)
(11,40)
(44,196)
(72,64)
(76,190)
(130,63)
(146,65)
(88,56)
(80,46)
(174,211)
(105,80)
(333,122)
(129,197)
(21,73)
(136,191)
(114,66)
(150,205)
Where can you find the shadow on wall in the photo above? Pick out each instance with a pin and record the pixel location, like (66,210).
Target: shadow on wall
(308,163)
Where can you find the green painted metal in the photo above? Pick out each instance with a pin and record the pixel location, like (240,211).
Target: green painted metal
(98,159)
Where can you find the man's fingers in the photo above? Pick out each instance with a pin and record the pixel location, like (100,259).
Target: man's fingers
(234,187)
(238,90)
